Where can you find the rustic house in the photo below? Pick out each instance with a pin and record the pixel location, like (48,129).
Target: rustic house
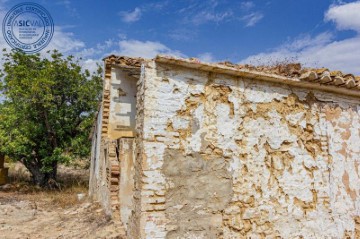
(184,149)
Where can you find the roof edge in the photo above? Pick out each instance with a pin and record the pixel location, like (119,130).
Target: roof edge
(124,61)
(301,82)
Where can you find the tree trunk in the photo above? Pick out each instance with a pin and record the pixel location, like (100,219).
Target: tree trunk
(43,179)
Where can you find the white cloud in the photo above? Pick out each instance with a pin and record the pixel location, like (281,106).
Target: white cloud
(252,18)
(138,12)
(210,16)
(91,64)
(306,41)
(183,34)
(122,36)
(99,50)
(146,49)
(319,51)
(133,48)
(203,12)
(247,5)
(339,55)
(290,51)
(322,50)
(65,42)
(345,16)
(132,16)
(71,10)
(206,57)
(220,11)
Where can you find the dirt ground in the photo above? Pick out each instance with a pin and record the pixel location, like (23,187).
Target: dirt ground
(30,212)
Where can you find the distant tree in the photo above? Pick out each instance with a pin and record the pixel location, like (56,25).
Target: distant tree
(46,111)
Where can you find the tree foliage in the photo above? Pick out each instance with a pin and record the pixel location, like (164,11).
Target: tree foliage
(47,110)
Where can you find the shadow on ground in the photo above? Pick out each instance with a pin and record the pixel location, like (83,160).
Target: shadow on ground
(27,211)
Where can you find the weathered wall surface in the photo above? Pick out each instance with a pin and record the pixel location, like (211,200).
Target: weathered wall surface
(98,187)
(127,173)
(226,157)
(133,229)
(123,104)
(112,157)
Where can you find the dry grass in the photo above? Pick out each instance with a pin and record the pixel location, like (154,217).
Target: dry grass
(33,212)
(72,182)
(62,198)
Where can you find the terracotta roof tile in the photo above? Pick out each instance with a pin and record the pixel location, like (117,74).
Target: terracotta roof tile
(321,76)
(296,71)
(124,61)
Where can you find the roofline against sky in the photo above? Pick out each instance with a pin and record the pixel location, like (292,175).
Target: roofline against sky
(248,74)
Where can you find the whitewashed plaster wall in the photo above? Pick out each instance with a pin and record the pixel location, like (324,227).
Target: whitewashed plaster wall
(227,157)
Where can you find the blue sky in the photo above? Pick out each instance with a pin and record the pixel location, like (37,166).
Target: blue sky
(315,32)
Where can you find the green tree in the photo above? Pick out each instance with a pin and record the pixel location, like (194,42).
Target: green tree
(47,111)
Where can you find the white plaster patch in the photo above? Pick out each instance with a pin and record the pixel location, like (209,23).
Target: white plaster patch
(154,155)
(226,127)
(294,119)
(180,123)
(262,93)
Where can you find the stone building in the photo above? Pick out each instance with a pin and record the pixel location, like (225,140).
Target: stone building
(184,149)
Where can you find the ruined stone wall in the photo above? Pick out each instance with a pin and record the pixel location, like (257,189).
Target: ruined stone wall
(116,120)
(95,152)
(126,185)
(98,187)
(227,157)
(133,228)
(123,104)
